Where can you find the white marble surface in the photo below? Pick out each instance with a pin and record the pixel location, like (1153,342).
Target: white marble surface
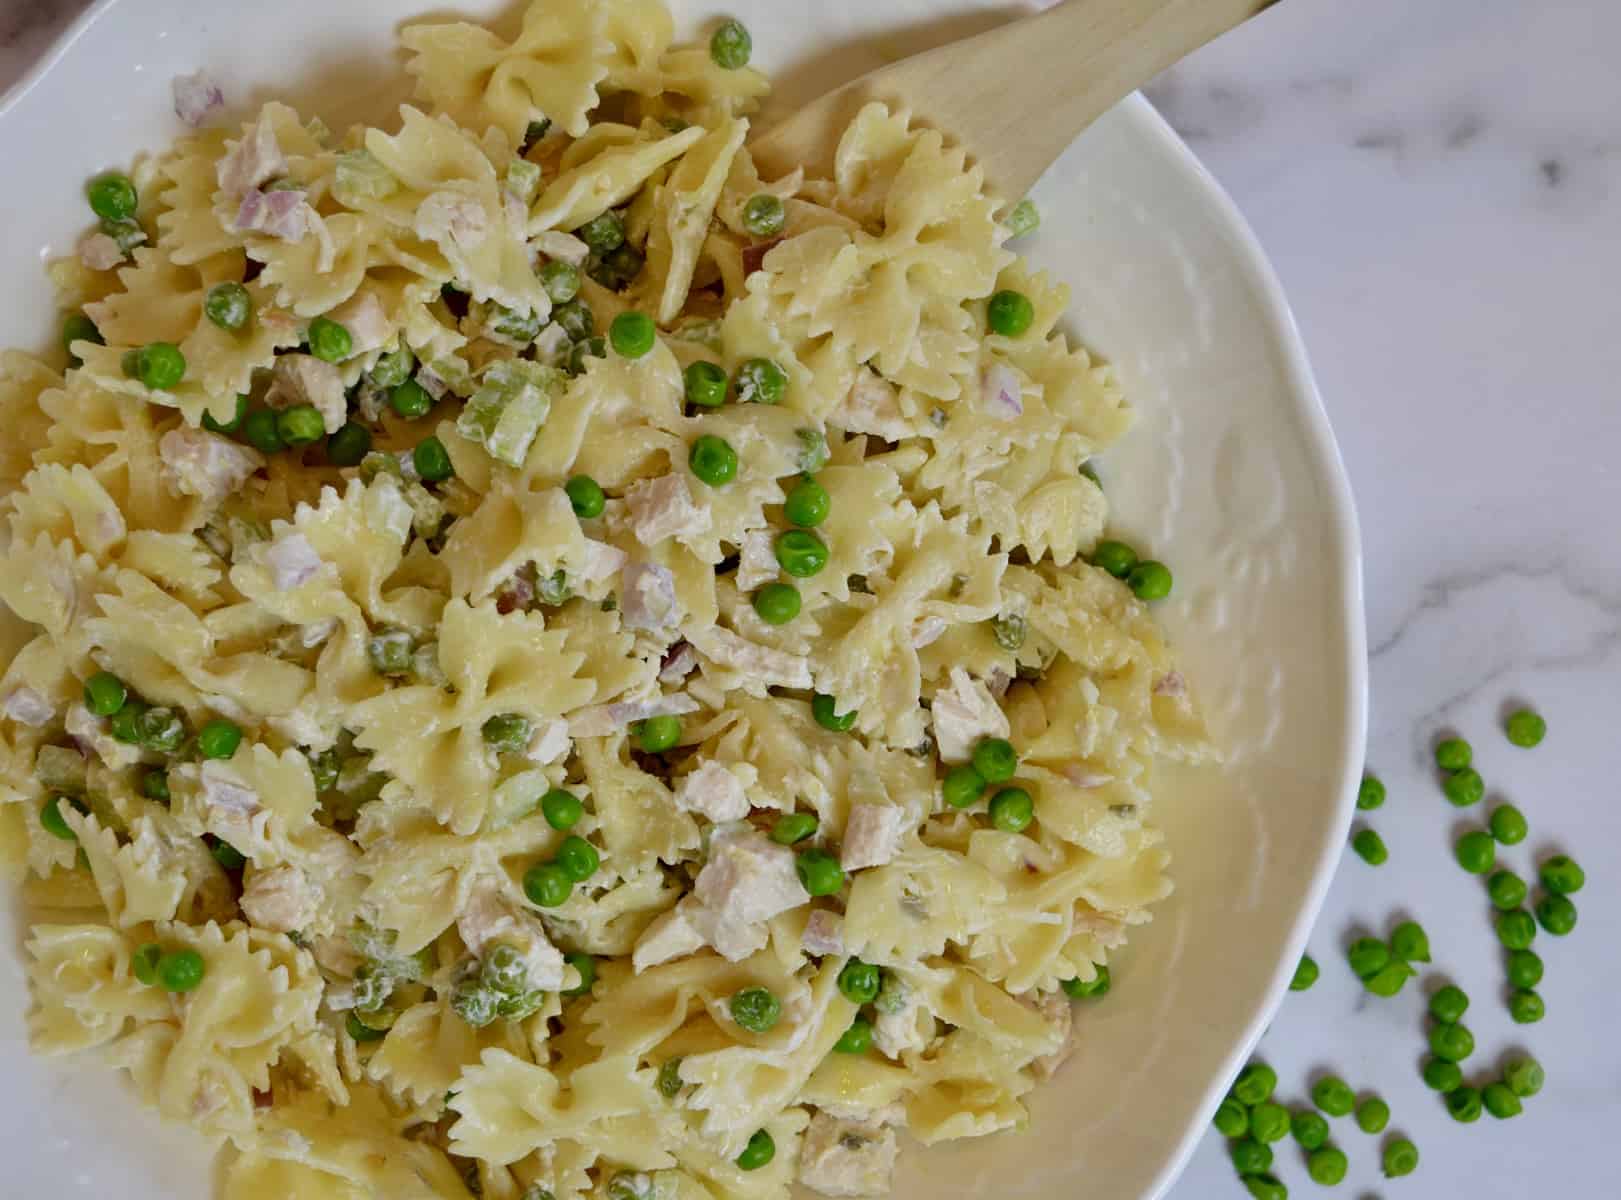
(1439,186)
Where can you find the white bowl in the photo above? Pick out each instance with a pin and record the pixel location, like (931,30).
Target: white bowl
(1232,477)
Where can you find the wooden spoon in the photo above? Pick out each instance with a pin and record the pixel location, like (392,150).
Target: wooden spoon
(1016,96)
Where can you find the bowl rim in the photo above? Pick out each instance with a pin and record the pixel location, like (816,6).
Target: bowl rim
(1251,259)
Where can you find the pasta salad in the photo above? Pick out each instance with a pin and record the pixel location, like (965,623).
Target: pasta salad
(546,664)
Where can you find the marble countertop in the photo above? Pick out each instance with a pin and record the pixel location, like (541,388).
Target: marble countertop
(1439,186)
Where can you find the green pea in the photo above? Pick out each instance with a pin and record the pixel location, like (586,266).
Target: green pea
(157,365)
(143,964)
(855,1040)
(1370,847)
(760,1151)
(1371,794)
(1524,1077)
(962,786)
(1400,1158)
(1557,914)
(1508,825)
(995,760)
(807,504)
(1011,810)
(504,970)
(669,1083)
(1306,973)
(259,431)
(760,381)
(507,733)
(1500,1100)
(1524,968)
(1087,989)
(1024,219)
(813,452)
(155,786)
(1255,1084)
(1463,1103)
(1367,956)
(575,319)
(792,828)
(632,334)
(764,215)
(1454,754)
(562,809)
(657,734)
(560,281)
(1372,1115)
(228,856)
(755,1009)
(586,965)
(1449,1004)
(219,738)
(125,724)
(819,872)
(713,460)
(76,327)
(1525,1007)
(1526,728)
(300,425)
(231,424)
(1516,929)
(859,982)
(1506,889)
(730,46)
(1464,788)
(1150,581)
(362,1032)
(474,1003)
(604,233)
(393,368)
(1009,630)
(50,816)
(705,385)
(1476,852)
(777,603)
(1562,876)
(432,460)
(349,445)
(104,693)
(578,858)
(547,885)
(1327,1166)
(228,305)
(1117,558)
(329,341)
(1010,314)
(1250,1157)
(161,730)
(112,196)
(1269,1122)
(585,496)
(410,400)
(1451,1042)
(825,710)
(800,553)
(1442,1076)
(181,971)
(1232,1119)
(1410,943)
(1389,979)
(1333,1096)
(1310,1129)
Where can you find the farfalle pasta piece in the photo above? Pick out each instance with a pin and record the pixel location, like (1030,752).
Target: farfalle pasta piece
(84,992)
(592,185)
(431,741)
(428,1047)
(913,907)
(639,820)
(23,380)
(158,874)
(550,72)
(682,213)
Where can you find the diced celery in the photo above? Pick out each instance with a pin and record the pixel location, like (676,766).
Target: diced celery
(523,179)
(509,408)
(361,177)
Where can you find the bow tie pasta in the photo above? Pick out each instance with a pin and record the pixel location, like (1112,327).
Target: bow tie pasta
(543,664)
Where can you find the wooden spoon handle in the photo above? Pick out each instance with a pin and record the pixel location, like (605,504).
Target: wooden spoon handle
(1018,95)
(1036,84)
